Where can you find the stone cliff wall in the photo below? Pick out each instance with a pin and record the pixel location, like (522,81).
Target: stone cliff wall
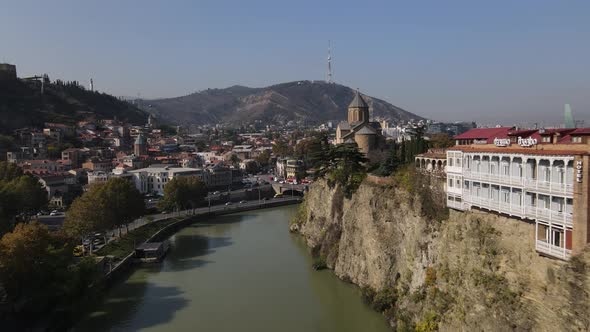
(469,272)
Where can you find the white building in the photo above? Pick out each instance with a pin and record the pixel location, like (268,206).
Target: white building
(529,174)
(153,179)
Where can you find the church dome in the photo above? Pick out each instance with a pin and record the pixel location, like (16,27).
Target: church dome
(358,102)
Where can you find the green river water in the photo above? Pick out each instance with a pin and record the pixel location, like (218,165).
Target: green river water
(241,272)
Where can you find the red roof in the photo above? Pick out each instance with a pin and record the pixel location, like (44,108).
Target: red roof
(581,131)
(484,133)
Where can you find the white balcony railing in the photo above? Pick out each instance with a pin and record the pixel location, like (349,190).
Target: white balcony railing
(552,250)
(530,212)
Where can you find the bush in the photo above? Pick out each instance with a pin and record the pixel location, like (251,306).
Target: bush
(384,299)
(428,324)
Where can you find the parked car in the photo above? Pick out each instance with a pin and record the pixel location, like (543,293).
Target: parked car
(278,195)
(79,251)
(228,203)
(242,202)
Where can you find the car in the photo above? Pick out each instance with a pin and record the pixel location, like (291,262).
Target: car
(242,202)
(216,193)
(79,251)
(228,204)
(165,212)
(278,195)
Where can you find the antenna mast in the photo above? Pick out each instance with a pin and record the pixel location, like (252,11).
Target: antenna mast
(329,79)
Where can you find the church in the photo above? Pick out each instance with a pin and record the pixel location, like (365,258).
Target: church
(360,130)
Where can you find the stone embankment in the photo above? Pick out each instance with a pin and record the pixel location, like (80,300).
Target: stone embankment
(455,271)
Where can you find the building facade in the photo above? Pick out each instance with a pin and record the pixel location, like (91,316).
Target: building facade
(540,176)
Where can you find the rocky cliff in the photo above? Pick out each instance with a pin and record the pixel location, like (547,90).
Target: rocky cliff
(454,271)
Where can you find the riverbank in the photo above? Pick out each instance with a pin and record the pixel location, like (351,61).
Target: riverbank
(122,249)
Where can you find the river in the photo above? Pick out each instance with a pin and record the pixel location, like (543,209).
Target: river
(241,272)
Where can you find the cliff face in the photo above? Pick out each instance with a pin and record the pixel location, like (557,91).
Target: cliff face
(472,271)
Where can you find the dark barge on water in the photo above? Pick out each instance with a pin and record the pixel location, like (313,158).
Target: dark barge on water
(151,251)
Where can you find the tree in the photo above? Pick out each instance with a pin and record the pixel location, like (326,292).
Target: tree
(263,158)
(441,140)
(126,201)
(89,213)
(38,271)
(183,192)
(342,164)
(282,149)
(9,171)
(235,160)
(23,253)
(104,206)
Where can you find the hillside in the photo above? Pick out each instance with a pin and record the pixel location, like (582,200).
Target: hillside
(22,104)
(298,101)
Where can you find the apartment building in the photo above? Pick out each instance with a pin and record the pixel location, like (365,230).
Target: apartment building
(540,176)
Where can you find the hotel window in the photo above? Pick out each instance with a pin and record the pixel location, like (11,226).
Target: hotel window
(561,175)
(505,197)
(557,238)
(505,170)
(542,233)
(451,162)
(547,173)
(546,139)
(458,183)
(458,162)
(450,183)
(577,139)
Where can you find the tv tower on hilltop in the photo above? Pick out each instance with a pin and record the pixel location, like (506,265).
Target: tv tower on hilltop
(329,78)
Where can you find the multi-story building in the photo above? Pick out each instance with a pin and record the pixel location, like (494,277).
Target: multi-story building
(153,179)
(540,176)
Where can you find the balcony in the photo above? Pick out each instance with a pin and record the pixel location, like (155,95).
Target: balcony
(554,251)
(455,205)
(547,215)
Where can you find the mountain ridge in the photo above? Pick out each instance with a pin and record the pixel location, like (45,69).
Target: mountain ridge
(300,101)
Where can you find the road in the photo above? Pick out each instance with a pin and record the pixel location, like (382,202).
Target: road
(214,208)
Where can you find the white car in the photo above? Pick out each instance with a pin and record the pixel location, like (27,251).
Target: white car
(228,203)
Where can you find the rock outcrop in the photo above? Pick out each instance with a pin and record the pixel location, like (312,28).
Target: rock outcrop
(472,271)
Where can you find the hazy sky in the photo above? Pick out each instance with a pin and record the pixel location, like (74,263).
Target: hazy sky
(489,61)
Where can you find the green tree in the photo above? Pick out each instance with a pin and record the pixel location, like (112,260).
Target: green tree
(441,140)
(183,192)
(89,213)
(104,206)
(282,149)
(342,164)
(263,158)
(9,171)
(23,253)
(234,159)
(126,201)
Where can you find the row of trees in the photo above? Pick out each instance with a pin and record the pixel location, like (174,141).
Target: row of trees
(104,206)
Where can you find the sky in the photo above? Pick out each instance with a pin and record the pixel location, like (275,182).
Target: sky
(494,62)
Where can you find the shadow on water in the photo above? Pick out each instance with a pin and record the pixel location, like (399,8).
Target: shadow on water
(126,299)
(187,248)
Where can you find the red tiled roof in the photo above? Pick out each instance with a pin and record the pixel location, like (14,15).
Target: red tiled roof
(581,131)
(484,133)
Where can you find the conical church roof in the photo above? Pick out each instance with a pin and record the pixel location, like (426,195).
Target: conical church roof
(358,102)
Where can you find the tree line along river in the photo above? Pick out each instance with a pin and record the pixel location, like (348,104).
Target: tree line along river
(240,272)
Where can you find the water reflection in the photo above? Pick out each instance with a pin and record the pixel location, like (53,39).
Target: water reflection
(242,272)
